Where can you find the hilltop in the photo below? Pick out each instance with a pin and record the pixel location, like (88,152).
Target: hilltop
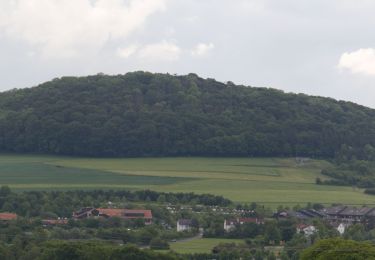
(145,114)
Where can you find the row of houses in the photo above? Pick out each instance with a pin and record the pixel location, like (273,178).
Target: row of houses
(349,214)
(345,214)
(340,217)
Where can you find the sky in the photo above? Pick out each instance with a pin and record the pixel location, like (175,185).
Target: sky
(319,47)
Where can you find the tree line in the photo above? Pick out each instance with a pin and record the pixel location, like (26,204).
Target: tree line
(53,204)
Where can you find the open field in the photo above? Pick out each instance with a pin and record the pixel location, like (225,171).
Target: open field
(269,181)
(203,245)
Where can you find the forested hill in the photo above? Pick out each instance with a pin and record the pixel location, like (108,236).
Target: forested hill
(144,114)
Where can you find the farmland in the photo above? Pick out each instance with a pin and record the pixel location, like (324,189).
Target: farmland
(271,181)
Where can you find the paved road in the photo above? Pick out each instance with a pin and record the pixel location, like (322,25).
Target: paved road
(199,236)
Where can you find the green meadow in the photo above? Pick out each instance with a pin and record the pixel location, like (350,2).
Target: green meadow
(203,245)
(272,181)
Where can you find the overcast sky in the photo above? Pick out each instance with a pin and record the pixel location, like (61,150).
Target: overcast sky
(319,47)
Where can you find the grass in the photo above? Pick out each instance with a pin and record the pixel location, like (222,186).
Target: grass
(203,245)
(271,181)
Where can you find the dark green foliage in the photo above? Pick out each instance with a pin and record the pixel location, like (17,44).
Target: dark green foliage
(339,249)
(144,114)
(352,166)
(57,250)
(246,230)
(370,191)
(60,250)
(354,172)
(159,244)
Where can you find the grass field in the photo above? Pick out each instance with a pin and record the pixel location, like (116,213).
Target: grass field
(203,245)
(270,181)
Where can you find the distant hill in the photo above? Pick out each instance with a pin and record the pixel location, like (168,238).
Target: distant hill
(145,114)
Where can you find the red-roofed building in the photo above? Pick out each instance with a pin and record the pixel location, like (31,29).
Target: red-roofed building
(110,213)
(6,216)
(308,230)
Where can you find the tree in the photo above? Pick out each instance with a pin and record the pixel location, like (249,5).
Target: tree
(145,114)
(272,233)
(159,244)
(339,249)
(5,191)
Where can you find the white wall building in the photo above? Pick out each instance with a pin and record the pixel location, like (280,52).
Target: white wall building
(184,225)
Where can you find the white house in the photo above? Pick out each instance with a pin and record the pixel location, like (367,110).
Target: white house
(308,230)
(184,225)
(341,228)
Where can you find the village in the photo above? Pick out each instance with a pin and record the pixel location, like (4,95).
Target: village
(175,222)
(339,217)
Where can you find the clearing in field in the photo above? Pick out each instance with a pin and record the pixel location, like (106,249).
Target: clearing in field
(270,181)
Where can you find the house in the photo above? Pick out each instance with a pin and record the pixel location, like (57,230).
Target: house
(307,230)
(353,214)
(347,214)
(184,225)
(138,214)
(83,213)
(6,216)
(340,227)
(127,214)
(232,223)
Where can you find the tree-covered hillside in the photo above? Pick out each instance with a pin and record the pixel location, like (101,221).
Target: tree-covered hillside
(145,114)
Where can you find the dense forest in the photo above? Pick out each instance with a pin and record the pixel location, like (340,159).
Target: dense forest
(145,114)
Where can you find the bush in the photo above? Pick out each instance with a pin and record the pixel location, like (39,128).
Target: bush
(159,244)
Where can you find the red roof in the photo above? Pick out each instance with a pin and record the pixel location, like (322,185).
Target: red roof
(126,213)
(302,226)
(8,216)
(111,212)
(134,213)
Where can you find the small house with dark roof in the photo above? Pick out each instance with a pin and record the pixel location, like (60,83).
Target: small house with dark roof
(184,225)
(333,212)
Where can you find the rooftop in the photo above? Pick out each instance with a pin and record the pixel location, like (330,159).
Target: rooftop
(185,222)
(353,211)
(8,216)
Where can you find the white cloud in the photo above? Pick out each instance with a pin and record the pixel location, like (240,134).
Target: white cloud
(202,49)
(127,51)
(192,19)
(65,28)
(162,51)
(361,61)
